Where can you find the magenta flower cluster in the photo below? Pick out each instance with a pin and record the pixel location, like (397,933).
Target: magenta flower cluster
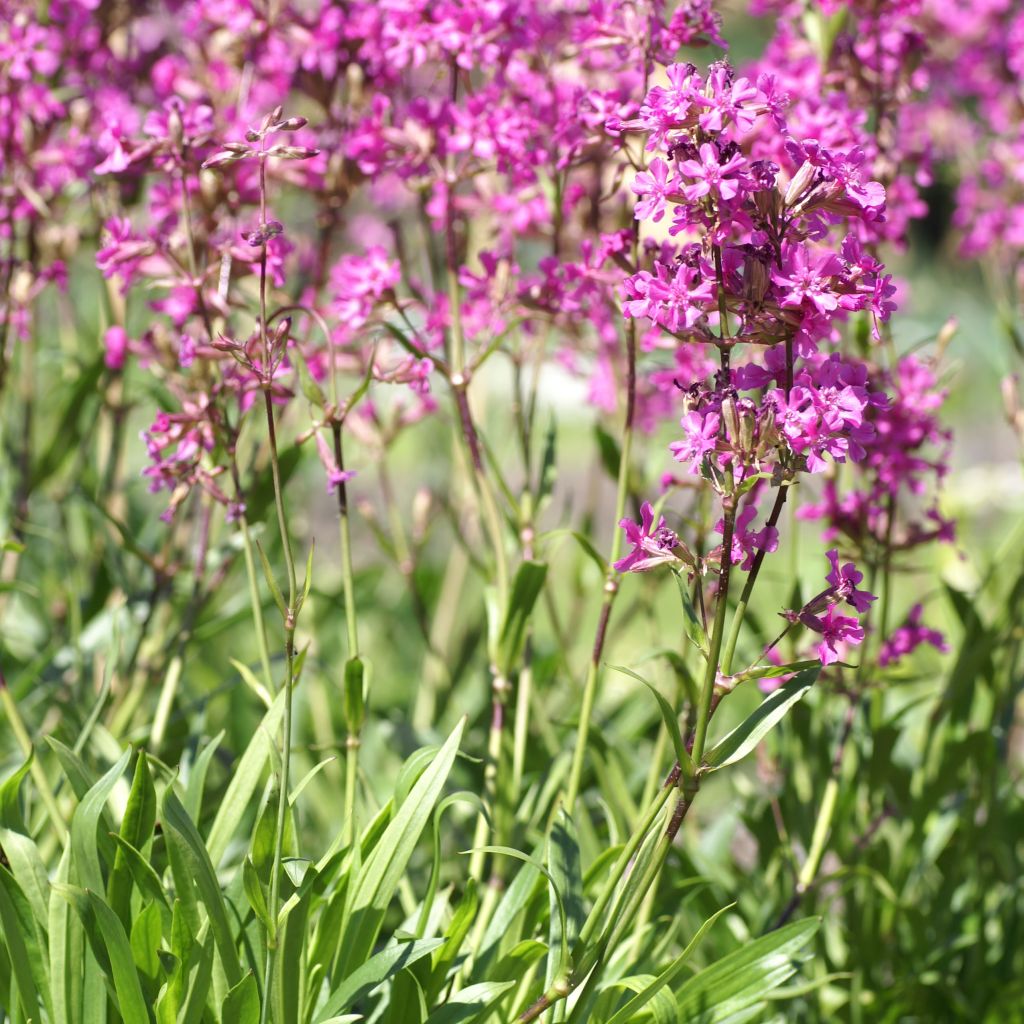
(548,179)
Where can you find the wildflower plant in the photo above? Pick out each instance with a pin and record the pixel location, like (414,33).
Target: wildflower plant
(262,770)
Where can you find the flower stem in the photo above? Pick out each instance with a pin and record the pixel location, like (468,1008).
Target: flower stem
(711,673)
(611,586)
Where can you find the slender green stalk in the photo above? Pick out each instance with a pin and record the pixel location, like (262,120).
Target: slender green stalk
(291,610)
(611,585)
(259,624)
(711,672)
(352,742)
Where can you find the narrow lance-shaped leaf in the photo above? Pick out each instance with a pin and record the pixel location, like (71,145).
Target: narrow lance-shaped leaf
(669,717)
(526,588)
(379,876)
(694,627)
(668,976)
(746,736)
(745,977)
(136,828)
(378,968)
(178,827)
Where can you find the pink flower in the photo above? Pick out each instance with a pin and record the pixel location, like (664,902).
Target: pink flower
(115,344)
(711,176)
(844,581)
(836,631)
(651,545)
(653,188)
(908,637)
(701,430)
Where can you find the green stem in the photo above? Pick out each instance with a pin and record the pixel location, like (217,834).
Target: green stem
(821,830)
(748,586)
(711,673)
(611,586)
(262,644)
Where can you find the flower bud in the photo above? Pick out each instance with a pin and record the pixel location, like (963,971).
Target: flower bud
(292,152)
(175,127)
(768,433)
(220,159)
(945,336)
(293,124)
(730,418)
(747,413)
(803,177)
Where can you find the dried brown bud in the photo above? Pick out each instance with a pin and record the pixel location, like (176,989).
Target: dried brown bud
(292,152)
(221,159)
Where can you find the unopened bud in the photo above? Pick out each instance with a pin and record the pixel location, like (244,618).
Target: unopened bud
(803,177)
(768,434)
(175,127)
(946,333)
(293,124)
(731,419)
(220,159)
(747,413)
(292,152)
(284,328)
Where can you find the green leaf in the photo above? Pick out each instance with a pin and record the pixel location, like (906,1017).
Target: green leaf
(376,969)
(745,977)
(668,976)
(136,828)
(546,478)
(308,778)
(275,590)
(407,1004)
(526,588)
(566,874)
(746,736)
(143,875)
(130,1001)
(250,680)
(244,780)
(65,942)
(516,897)
(10,803)
(85,847)
(669,717)
(611,453)
(307,581)
(310,388)
(585,544)
(179,828)
(694,627)
(255,895)
(22,937)
(470,1004)
(147,929)
(74,767)
(197,778)
(29,871)
(383,868)
(242,1003)
(559,900)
